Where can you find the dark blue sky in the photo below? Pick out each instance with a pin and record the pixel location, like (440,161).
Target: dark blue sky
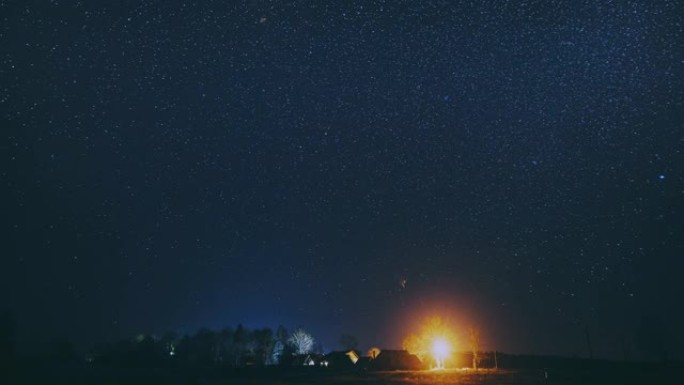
(170,165)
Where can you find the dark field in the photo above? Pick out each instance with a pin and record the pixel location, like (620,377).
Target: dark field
(625,375)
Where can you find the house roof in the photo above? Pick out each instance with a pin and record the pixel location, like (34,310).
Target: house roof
(342,357)
(396,360)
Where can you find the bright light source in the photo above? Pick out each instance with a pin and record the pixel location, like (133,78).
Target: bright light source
(435,342)
(440,350)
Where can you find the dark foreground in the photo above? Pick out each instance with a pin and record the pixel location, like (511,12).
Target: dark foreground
(642,374)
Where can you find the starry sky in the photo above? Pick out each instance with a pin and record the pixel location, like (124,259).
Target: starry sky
(346,167)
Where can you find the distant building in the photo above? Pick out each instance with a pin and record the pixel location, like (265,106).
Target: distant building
(395,360)
(340,359)
(375,360)
(363,363)
(305,360)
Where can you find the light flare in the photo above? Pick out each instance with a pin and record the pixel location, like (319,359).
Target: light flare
(441,348)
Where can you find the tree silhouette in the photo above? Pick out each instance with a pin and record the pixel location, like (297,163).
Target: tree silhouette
(281,334)
(276,352)
(169,343)
(281,348)
(206,347)
(414,344)
(264,342)
(240,339)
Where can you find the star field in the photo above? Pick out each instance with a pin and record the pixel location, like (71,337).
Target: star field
(513,164)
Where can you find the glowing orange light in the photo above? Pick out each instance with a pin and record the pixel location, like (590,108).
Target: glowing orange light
(433,344)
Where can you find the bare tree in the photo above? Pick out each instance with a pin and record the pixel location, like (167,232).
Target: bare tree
(415,344)
(474,340)
(240,342)
(301,341)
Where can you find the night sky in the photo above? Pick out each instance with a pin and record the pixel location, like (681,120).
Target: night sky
(346,168)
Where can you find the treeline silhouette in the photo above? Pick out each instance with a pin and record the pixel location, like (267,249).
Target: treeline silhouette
(236,347)
(229,347)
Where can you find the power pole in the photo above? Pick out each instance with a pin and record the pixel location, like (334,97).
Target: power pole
(496,362)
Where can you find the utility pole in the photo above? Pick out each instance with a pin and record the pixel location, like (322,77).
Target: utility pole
(496,362)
